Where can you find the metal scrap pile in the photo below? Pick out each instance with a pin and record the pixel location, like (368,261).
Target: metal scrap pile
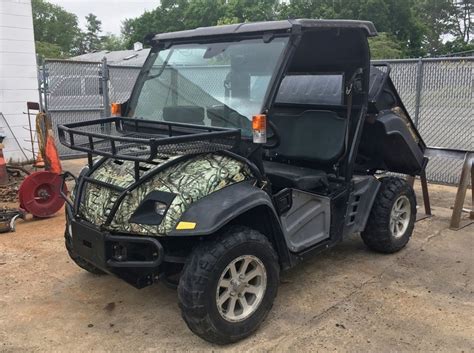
(9,191)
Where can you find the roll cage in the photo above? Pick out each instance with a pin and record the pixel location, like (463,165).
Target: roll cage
(356,84)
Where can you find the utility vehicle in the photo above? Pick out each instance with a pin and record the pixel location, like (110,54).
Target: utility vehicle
(243,150)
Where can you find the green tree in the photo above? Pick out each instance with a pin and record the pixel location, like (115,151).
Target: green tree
(112,42)
(414,27)
(200,13)
(252,10)
(385,46)
(91,37)
(49,50)
(167,17)
(435,17)
(175,15)
(463,20)
(392,16)
(55,29)
(457,46)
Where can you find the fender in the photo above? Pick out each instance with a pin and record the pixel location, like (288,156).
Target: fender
(409,158)
(226,205)
(230,203)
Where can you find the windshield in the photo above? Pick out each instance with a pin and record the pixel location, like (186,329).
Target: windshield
(218,84)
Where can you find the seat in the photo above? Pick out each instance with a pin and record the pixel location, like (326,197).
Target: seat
(284,175)
(313,136)
(221,116)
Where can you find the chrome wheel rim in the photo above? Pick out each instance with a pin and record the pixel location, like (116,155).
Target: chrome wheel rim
(241,288)
(400,216)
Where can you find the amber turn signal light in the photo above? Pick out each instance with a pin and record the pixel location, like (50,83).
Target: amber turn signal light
(116,109)
(259,128)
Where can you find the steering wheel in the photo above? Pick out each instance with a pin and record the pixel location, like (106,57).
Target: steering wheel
(275,137)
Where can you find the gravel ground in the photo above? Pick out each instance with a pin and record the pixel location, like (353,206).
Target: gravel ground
(347,299)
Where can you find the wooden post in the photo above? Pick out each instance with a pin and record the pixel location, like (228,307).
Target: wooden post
(467,168)
(426,196)
(471,216)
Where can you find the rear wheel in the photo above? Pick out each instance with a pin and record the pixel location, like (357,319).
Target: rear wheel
(392,218)
(228,285)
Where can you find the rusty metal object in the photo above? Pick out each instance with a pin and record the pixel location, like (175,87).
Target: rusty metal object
(8,218)
(468,168)
(426,196)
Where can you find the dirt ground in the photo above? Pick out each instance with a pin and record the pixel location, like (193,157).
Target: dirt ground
(347,299)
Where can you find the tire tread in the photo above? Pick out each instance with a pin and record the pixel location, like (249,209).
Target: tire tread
(196,275)
(377,235)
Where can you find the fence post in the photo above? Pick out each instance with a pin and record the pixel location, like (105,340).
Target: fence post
(45,86)
(105,87)
(39,76)
(419,84)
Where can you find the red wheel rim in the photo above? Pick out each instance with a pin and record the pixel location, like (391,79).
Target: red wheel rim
(39,194)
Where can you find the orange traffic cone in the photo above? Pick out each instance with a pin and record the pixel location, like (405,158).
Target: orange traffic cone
(51,154)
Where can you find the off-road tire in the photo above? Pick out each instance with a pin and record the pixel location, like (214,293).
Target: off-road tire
(202,271)
(79,261)
(377,234)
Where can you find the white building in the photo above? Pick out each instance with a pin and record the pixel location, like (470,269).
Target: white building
(18,76)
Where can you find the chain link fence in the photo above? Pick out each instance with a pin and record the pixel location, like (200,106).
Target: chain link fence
(73,92)
(438,94)
(122,79)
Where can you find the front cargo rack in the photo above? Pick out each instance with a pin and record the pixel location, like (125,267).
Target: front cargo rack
(144,140)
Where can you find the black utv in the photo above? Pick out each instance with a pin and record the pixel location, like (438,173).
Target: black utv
(242,150)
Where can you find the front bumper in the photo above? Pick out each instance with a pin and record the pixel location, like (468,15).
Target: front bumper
(135,259)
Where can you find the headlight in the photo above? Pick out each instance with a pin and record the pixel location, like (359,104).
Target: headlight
(160,208)
(153,208)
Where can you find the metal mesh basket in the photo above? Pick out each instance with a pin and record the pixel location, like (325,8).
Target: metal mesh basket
(126,139)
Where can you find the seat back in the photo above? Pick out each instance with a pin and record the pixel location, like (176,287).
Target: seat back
(184,114)
(314,135)
(220,116)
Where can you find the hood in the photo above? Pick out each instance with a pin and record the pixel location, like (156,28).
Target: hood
(188,178)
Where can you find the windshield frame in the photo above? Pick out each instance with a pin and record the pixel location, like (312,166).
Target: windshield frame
(276,77)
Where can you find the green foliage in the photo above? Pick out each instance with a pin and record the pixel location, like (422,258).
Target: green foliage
(91,38)
(176,15)
(457,46)
(409,28)
(54,26)
(396,17)
(57,33)
(463,20)
(48,50)
(198,13)
(385,46)
(251,10)
(112,42)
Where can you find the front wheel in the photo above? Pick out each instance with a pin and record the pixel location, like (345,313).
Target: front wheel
(228,285)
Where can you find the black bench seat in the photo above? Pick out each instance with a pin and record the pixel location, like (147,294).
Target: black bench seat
(284,175)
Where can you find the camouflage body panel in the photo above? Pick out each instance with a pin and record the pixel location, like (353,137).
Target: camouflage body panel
(190,180)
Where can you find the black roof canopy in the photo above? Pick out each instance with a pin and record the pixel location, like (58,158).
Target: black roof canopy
(268,26)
